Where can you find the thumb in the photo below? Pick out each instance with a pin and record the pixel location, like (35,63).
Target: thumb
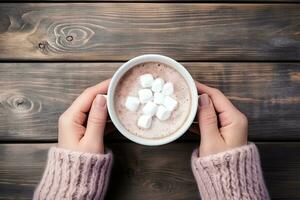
(97,119)
(208,121)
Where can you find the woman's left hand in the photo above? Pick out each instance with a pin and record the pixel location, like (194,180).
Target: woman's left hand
(81,126)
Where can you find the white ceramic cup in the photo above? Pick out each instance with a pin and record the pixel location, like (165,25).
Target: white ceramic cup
(143,59)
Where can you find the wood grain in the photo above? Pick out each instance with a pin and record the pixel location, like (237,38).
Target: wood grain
(33,95)
(118,32)
(164,1)
(141,172)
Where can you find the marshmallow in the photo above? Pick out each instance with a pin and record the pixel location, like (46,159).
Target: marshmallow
(168,89)
(144,121)
(157,85)
(158,98)
(170,103)
(146,80)
(162,113)
(145,95)
(150,108)
(132,103)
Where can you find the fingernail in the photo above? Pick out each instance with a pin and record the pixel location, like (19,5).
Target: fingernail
(203,100)
(100,100)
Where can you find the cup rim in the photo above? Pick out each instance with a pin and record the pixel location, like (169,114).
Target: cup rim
(169,62)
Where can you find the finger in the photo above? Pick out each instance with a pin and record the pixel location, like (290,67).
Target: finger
(84,101)
(220,101)
(208,121)
(96,120)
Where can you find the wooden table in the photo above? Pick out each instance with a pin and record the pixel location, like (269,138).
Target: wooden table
(50,52)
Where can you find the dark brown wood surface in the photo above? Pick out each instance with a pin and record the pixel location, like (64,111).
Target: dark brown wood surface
(251,51)
(33,95)
(164,1)
(184,31)
(147,172)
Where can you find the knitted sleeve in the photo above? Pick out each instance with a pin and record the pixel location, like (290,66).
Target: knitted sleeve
(233,174)
(74,175)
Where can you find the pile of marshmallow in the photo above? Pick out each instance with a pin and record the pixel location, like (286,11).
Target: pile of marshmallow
(155,96)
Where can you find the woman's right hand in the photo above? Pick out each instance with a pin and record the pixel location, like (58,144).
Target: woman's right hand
(222,126)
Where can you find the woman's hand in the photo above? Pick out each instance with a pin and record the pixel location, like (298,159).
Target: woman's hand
(81,126)
(222,126)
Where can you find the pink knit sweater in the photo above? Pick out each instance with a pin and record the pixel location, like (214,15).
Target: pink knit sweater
(74,175)
(234,174)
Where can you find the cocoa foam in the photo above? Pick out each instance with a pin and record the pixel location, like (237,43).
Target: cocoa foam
(129,86)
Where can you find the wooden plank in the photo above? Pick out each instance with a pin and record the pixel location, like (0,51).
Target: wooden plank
(147,172)
(118,32)
(33,95)
(165,1)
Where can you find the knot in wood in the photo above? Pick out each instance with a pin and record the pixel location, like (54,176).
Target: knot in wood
(69,38)
(20,103)
(73,36)
(43,46)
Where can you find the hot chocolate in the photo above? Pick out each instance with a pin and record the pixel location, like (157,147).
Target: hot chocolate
(164,82)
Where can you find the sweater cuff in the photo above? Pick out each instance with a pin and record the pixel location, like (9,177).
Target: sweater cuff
(233,174)
(74,175)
